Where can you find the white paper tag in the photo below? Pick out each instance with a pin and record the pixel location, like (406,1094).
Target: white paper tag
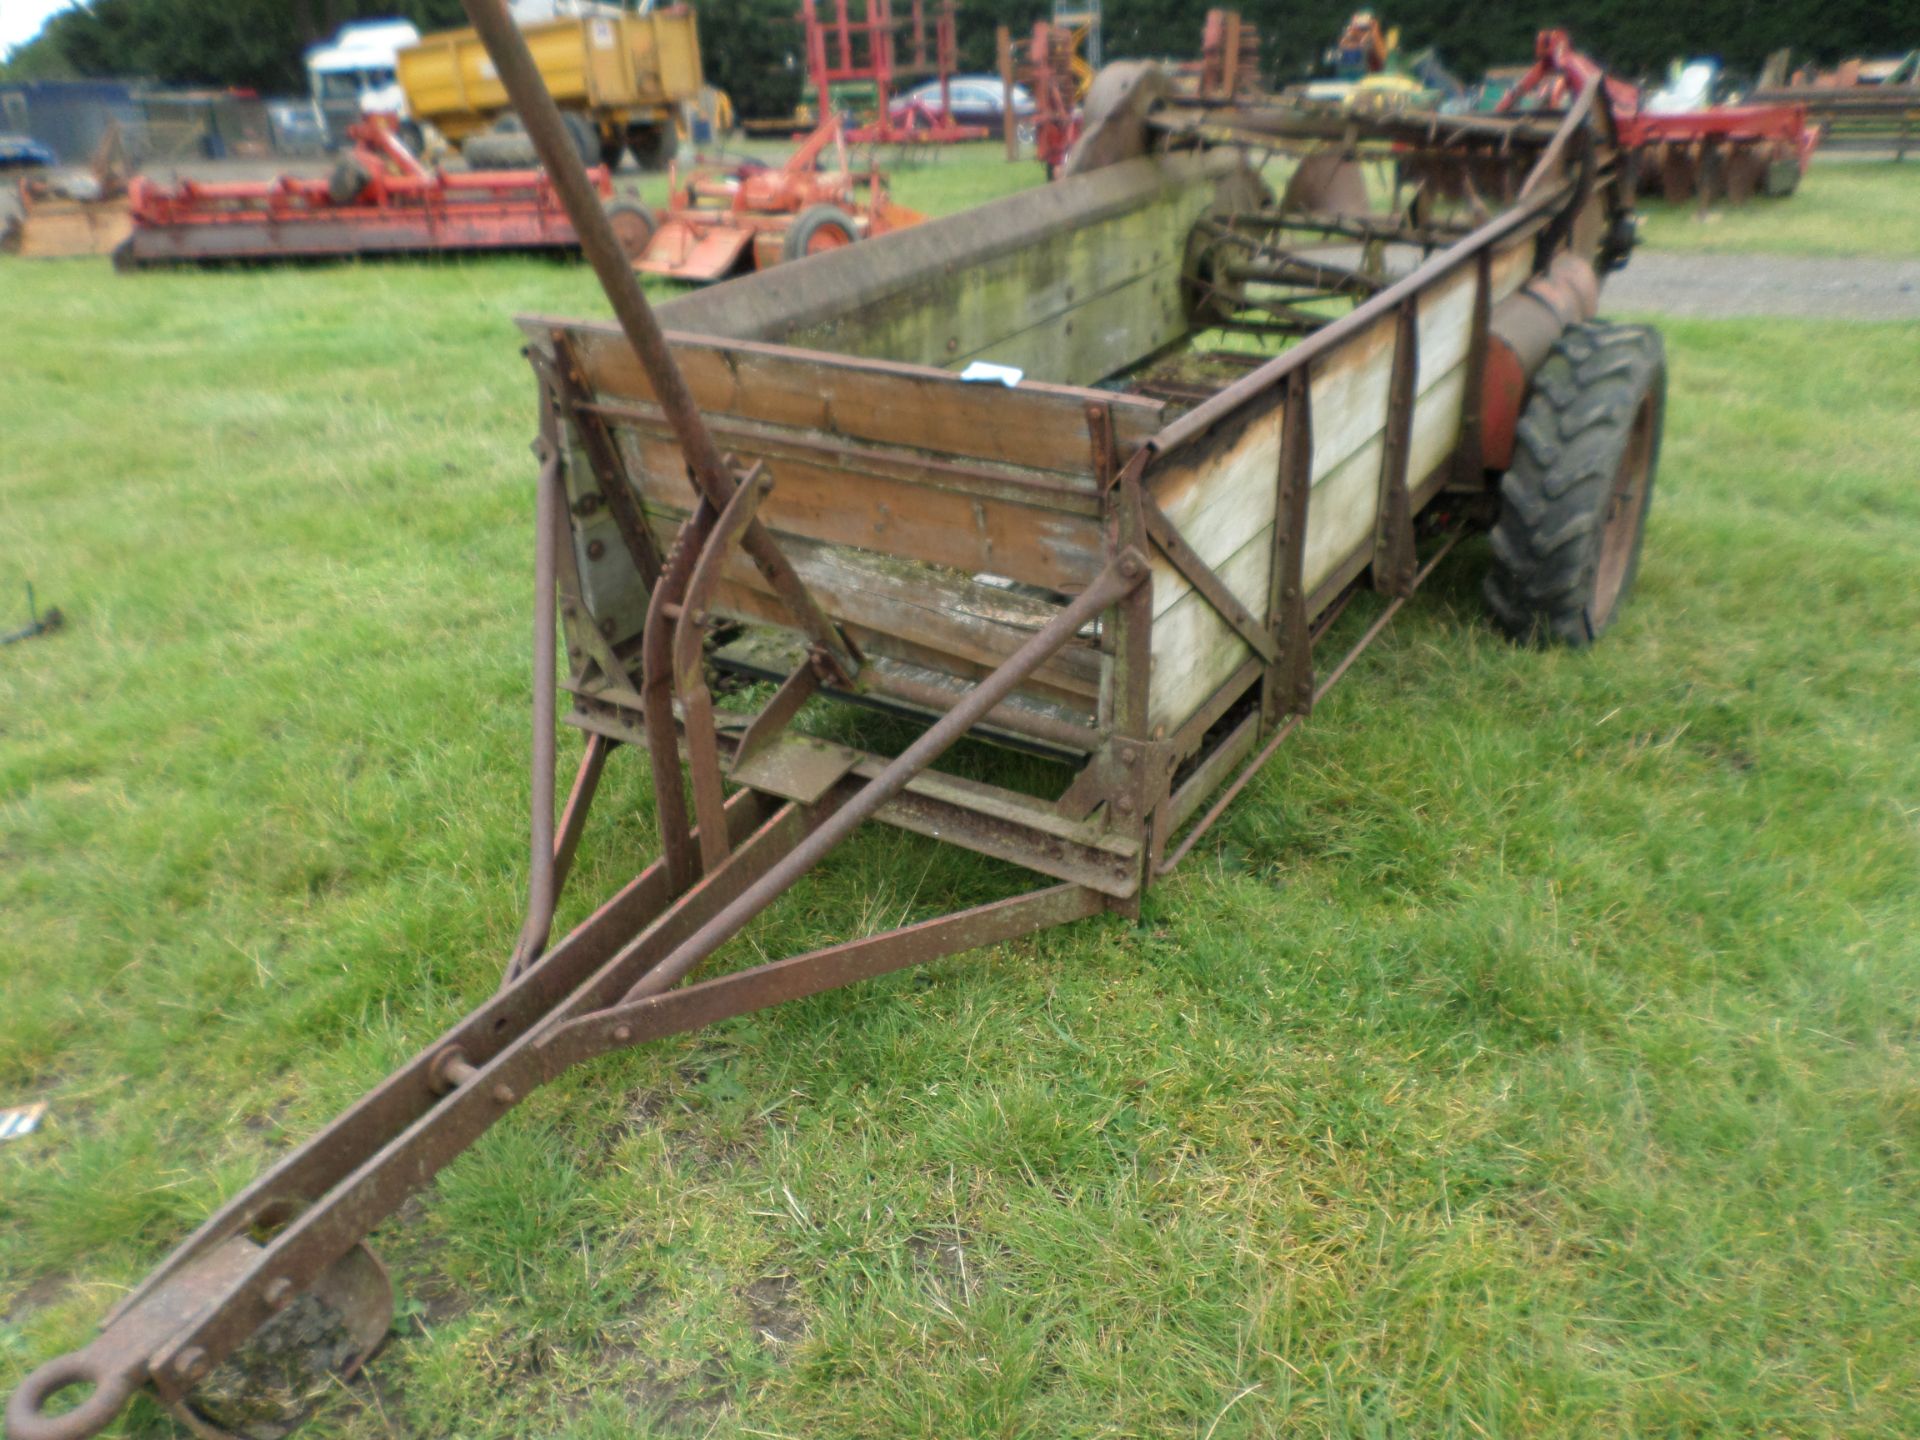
(980,372)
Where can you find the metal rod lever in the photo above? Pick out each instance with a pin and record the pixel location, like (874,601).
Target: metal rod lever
(1110,586)
(514,62)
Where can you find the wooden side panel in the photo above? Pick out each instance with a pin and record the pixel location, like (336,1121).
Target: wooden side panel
(1009,281)
(1220,492)
(909,464)
(829,396)
(1074,307)
(849,496)
(910,611)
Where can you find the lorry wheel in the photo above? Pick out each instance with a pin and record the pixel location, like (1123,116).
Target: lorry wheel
(633,227)
(1573,508)
(504,147)
(611,150)
(586,139)
(653,146)
(412,137)
(816,229)
(1782,178)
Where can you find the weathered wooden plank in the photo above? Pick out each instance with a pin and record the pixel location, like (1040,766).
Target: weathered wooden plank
(844,291)
(965,285)
(1194,650)
(1105,328)
(1220,492)
(1168,539)
(933,613)
(1036,426)
(845,496)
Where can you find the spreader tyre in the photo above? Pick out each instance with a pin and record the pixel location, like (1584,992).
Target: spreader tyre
(818,228)
(633,227)
(1574,505)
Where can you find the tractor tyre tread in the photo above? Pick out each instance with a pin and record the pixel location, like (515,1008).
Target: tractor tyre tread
(1572,437)
(585,137)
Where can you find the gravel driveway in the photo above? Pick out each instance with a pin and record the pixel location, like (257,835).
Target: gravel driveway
(1722,285)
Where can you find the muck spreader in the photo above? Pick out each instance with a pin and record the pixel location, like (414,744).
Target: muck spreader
(1130,560)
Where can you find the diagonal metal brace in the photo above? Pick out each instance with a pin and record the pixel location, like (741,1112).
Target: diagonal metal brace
(1206,580)
(603,458)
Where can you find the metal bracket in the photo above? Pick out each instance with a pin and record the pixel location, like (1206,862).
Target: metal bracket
(1393,556)
(689,615)
(1287,687)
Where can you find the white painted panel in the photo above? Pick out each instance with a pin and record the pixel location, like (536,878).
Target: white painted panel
(1217,510)
(1194,649)
(1342,511)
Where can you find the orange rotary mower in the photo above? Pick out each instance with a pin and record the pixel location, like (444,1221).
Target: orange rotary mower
(752,216)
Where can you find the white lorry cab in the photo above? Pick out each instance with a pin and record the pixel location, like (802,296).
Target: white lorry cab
(354,74)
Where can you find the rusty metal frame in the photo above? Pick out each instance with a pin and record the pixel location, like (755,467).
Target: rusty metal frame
(608,985)
(625,976)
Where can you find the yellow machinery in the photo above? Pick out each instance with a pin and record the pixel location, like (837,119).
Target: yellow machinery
(619,80)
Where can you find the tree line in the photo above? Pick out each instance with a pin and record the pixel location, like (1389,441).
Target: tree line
(753,51)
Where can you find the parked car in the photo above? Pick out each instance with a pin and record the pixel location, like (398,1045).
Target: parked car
(974,100)
(21,152)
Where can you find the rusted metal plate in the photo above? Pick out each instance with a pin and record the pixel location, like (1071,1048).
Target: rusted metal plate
(796,767)
(681,251)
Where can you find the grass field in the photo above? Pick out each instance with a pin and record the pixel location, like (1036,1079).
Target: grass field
(1845,206)
(1533,1052)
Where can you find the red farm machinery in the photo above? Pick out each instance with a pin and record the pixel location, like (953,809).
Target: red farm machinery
(750,216)
(377,200)
(878,50)
(1730,151)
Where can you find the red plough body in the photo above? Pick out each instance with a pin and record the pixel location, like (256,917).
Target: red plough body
(1730,150)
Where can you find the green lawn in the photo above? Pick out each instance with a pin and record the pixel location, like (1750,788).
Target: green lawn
(1844,206)
(1534,1051)
(934,178)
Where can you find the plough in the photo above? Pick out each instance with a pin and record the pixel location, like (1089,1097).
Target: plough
(1133,562)
(1723,150)
(379,200)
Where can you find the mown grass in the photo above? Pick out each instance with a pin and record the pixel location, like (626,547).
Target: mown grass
(1530,1053)
(937,179)
(1845,206)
